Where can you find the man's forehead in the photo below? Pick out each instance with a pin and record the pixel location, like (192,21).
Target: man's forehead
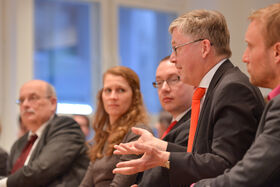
(33,88)
(177,35)
(166,68)
(253,32)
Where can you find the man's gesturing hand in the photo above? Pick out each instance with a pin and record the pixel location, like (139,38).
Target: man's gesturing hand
(151,158)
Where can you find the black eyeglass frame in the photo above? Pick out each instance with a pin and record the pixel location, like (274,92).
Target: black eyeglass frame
(158,84)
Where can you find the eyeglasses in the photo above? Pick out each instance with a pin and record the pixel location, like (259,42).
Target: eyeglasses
(170,81)
(33,99)
(181,45)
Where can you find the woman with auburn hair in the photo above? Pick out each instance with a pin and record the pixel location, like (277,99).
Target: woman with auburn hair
(120,107)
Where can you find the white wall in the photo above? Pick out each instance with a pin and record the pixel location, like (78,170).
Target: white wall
(16,61)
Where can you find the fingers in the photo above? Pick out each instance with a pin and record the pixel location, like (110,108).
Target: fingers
(134,185)
(139,131)
(125,170)
(131,163)
(121,150)
(127,148)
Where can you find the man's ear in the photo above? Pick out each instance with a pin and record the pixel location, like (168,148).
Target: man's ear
(276,52)
(206,47)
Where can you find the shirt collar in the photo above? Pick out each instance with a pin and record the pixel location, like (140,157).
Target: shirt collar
(181,115)
(205,82)
(274,93)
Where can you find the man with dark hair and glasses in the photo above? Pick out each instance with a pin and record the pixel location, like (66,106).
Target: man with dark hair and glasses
(53,151)
(226,108)
(175,97)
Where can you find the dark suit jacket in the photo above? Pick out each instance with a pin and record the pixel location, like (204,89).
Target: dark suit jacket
(3,162)
(226,128)
(179,134)
(260,166)
(59,158)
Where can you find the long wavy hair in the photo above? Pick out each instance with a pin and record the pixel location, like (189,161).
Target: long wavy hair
(107,135)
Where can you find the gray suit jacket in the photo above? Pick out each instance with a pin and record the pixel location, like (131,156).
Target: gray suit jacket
(59,158)
(260,166)
(226,128)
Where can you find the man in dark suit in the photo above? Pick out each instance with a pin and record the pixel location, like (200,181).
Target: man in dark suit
(230,110)
(175,98)
(58,155)
(260,166)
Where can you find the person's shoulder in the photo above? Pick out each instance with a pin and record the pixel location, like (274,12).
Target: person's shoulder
(60,119)
(60,122)
(234,78)
(63,118)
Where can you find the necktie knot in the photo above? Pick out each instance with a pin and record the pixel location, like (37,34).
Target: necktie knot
(198,93)
(32,139)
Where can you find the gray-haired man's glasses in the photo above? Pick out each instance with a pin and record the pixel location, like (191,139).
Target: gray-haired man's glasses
(170,81)
(183,44)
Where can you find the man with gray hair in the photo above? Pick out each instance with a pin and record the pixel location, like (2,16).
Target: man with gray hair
(260,165)
(53,151)
(226,108)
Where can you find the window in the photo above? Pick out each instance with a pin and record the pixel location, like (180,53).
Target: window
(143,41)
(63,51)
(69,39)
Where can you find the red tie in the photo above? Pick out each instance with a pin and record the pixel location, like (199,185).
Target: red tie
(21,159)
(168,129)
(198,94)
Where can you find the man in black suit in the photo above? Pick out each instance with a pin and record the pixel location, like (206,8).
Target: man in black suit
(229,111)
(175,98)
(260,165)
(58,155)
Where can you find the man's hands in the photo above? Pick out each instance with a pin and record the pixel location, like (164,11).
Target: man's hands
(151,158)
(145,138)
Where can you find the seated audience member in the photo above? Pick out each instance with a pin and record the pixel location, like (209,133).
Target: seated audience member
(53,152)
(3,160)
(164,120)
(226,108)
(120,107)
(83,121)
(175,97)
(260,165)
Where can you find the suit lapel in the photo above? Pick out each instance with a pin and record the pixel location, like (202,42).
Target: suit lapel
(21,144)
(209,95)
(43,140)
(183,119)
